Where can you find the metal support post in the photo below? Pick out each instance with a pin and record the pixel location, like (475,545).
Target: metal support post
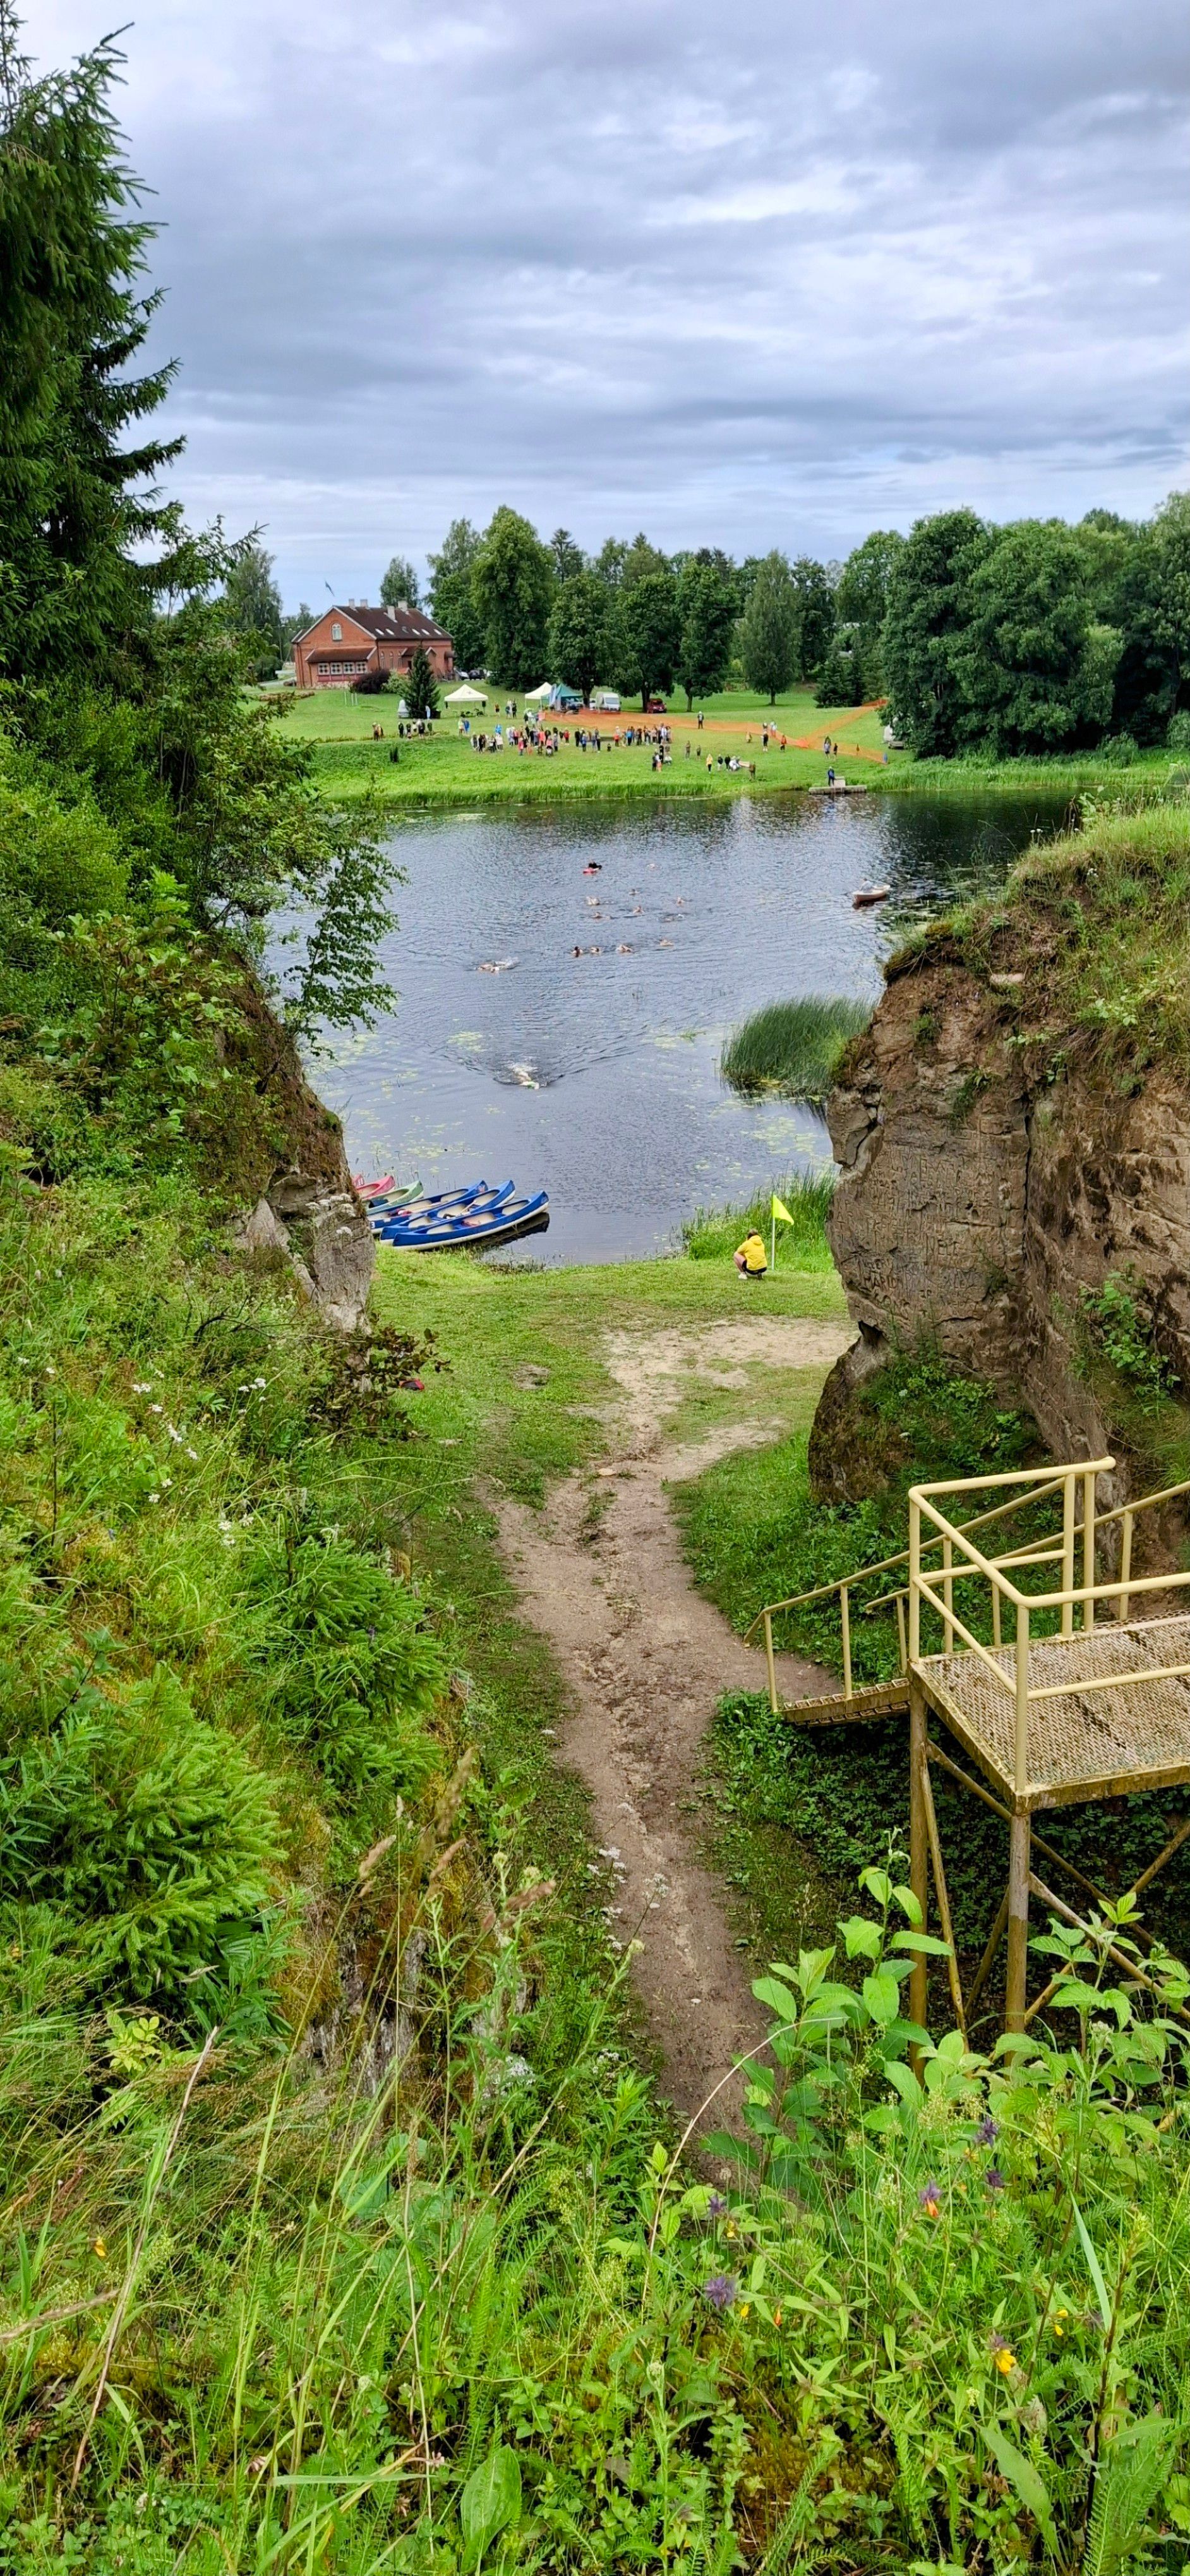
(918,1842)
(1018,1923)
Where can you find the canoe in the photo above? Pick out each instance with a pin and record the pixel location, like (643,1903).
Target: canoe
(453,1219)
(870,894)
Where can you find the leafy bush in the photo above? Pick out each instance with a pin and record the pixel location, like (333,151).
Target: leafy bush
(354,1668)
(1120,1324)
(153,1832)
(793,1047)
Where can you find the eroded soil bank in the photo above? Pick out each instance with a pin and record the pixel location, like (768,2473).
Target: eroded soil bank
(600,1573)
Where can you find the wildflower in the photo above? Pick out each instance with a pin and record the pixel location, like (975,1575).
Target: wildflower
(193,1453)
(260,1381)
(1060,2316)
(987,2132)
(930,2199)
(154,1498)
(717,2206)
(156,1408)
(100,2248)
(776,2316)
(745,2307)
(1003,2355)
(721,2290)
(994,2178)
(142,1386)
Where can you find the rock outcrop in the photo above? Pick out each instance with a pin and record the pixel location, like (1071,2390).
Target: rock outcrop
(990,1173)
(324,1236)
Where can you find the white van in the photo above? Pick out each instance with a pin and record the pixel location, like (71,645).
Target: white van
(606,704)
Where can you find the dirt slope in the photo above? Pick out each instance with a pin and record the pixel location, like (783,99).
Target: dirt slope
(600,1573)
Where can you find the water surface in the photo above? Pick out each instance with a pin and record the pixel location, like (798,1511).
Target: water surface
(597,1076)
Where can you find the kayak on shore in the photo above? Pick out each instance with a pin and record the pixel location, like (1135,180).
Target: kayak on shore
(450,1220)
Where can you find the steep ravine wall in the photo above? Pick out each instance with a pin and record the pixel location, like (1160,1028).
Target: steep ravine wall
(986,1178)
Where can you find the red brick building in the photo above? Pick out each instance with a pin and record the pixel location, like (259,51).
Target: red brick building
(345,642)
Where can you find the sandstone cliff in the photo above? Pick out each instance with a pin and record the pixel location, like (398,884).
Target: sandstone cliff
(1000,1156)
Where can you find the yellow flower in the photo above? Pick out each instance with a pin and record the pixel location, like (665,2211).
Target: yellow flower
(1005,2360)
(1059,2314)
(745,2307)
(100,2248)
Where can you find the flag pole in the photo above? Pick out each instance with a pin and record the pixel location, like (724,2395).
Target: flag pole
(773,1262)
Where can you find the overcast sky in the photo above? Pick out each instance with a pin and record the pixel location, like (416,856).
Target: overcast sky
(753,272)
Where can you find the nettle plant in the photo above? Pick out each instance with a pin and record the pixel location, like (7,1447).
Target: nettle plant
(978,2264)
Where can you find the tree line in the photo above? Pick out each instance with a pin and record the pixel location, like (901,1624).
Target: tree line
(1032,637)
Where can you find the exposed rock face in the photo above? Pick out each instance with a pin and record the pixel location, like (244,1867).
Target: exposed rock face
(987,1178)
(325,1237)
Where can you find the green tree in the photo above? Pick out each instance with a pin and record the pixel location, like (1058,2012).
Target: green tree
(641,558)
(649,633)
(452,599)
(840,682)
(400,584)
(771,627)
(252,606)
(1035,670)
(610,561)
(707,607)
(85,546)
(1123,574)
(513,585)
(580,632)
(418,685)
(861,602)
(1171,538)
(296,623)
(567,557)
(929,612)
(815,615)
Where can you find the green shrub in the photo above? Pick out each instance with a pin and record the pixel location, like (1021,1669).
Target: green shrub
(153,1832)
(353,1667)
(793,1047)
(1120,1323)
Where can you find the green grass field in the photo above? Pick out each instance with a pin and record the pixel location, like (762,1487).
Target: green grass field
(443,767)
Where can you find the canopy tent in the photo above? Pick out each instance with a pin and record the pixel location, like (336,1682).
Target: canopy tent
(466,697)
(538,697)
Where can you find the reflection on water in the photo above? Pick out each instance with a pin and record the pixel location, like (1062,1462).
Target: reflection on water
(595,1074)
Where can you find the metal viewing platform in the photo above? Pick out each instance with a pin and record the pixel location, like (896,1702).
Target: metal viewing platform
(1099,1709)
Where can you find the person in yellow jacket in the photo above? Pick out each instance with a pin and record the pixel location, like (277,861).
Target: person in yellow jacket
(751,1259)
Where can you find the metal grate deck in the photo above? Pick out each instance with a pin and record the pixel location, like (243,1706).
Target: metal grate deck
(1093,1744)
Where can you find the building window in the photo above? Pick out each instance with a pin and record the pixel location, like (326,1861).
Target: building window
(336,634)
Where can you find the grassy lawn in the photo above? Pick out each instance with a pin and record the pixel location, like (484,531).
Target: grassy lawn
(443,767)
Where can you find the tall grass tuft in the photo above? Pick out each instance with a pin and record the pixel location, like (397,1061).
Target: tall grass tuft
(793,1047)
(712,1233)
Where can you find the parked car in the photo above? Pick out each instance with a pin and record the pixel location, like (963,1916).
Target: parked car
(656,707)
(606,703)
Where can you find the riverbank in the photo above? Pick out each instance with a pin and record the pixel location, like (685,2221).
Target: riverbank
(442,769)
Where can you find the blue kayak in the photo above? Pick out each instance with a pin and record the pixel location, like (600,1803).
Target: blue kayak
(455,1219)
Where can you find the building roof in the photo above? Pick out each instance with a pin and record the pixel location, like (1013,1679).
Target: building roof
(387,625)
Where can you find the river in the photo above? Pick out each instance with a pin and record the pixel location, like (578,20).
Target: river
(597,1076)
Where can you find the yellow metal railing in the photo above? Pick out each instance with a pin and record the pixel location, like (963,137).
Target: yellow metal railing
(1080,1535)
(933,1587)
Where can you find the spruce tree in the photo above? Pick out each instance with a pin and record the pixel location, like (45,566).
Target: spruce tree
(82,528)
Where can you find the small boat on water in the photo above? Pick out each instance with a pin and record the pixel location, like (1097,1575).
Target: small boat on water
(870,894)
(450,1220)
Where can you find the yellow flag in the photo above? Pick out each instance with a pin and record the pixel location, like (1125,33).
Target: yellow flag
(780,1211)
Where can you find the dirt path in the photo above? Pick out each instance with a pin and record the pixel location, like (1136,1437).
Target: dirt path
(601,1574)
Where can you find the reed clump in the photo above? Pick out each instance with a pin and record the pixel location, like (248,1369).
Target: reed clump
(793,1047)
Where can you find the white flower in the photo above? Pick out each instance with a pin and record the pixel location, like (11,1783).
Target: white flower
(142,1386)
(174,1435)
(155,1408)
(260,1381)
(193,1453)
(154,1498)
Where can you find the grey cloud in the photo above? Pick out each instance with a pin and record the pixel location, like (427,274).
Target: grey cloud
(769,275)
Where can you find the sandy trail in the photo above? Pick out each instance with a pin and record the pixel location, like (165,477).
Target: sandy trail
(601,1574)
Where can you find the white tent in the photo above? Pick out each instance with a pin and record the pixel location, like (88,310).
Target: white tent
(537,697)
(466,697)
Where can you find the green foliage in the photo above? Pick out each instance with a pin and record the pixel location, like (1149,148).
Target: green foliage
(452,599)
(1119,1320)
(771,632)
(252,607)
(712,1234)
(861,601)
(793,1047)
(512,585)
(928,616)
(579,648)
(814,588)
(648,632)
(842,680)
(418,685)
(1036,673)
(707,607)
(568,557)
(400,585)
(354,1668)
(84,544)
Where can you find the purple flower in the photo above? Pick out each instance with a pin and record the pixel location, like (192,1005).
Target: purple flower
(987,2132)
(994,2178)
(717,2206)
(930,2199)
(722,2291)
